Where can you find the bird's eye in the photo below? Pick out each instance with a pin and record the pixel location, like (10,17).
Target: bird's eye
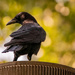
(16,17)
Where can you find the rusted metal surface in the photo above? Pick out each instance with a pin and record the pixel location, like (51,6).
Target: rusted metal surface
(35,68)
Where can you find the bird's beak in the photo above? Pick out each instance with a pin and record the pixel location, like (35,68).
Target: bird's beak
(11,22)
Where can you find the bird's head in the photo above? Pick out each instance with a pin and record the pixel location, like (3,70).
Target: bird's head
(22,18)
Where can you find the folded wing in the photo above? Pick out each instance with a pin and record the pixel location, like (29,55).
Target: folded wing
(32,34)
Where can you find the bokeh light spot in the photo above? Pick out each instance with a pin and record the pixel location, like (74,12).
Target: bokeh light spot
(40,53)
(48,21)
(47,42)
(6,19)
(65,11)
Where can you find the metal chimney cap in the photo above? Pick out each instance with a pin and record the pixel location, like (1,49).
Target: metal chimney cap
(35,68)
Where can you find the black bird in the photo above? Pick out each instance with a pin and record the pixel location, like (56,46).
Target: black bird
(27,39)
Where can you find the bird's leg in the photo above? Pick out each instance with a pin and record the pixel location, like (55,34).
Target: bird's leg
(29,57)
(15,56)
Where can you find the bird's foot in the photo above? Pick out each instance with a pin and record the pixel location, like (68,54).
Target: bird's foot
(29,58)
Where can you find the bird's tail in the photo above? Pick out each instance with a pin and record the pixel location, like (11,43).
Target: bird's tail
(13,48)
(5,51)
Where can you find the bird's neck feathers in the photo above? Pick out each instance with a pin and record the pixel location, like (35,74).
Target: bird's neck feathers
(27,21)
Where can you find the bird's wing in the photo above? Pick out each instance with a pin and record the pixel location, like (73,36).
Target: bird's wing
(33,34)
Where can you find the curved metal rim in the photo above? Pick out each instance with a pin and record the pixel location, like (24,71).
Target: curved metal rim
(38,63)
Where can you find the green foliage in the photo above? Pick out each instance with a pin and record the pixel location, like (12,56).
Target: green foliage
(56,18)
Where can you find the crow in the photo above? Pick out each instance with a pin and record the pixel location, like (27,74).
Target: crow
(27,39)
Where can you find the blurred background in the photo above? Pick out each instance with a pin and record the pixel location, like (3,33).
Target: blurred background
(57,17)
